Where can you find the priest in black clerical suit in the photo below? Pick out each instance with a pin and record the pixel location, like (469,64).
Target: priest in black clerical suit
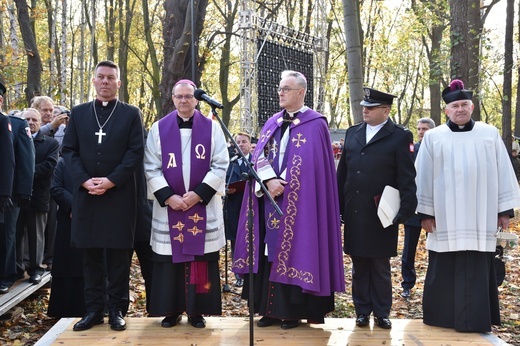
(103,148)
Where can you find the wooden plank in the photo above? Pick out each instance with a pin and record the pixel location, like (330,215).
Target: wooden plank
(235,331)
(21,290)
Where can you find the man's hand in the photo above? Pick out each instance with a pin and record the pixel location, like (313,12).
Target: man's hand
(276,187)
(428,225)
(190,198)
(58,120)
(176,203)
(503,221)
(5,203)
(97,186)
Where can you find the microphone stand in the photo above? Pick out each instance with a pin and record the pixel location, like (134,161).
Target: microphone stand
(252,174)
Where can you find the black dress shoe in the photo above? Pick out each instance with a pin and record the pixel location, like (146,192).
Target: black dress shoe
(383,322)
(239,282)
(88,321)
(171,321)
(116,320)
(406,293)
(362,320)
(4,289)
(197,321)
(35,279)
(290,324)
(267,321)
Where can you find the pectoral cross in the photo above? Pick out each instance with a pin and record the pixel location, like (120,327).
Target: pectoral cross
(100,135)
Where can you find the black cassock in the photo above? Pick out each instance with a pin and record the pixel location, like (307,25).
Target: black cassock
(107,143)
(106,221)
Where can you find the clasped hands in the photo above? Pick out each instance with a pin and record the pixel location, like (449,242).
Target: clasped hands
(184,202)
(98,186)
(276,187)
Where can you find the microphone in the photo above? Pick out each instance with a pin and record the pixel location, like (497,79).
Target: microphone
(202,96)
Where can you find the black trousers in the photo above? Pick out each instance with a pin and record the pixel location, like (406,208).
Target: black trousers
(372,286)
(106,273)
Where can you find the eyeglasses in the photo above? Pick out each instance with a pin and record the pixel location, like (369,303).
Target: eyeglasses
(369,108)
(285,90)
(180,97)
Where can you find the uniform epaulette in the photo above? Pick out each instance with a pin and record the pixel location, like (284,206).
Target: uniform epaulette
(402,127)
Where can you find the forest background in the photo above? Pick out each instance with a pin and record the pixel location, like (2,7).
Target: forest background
(410,48)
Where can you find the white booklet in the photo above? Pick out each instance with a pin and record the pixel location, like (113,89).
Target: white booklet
(389,205)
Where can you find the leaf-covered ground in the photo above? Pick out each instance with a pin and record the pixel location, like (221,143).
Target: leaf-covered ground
(33,323)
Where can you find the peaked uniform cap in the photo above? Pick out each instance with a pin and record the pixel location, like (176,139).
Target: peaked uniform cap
(375,97)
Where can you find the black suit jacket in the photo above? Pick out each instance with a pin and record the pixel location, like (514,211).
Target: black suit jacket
(46,149)
(363,172)
(108,220)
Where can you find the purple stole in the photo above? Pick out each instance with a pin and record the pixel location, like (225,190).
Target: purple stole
(187,229)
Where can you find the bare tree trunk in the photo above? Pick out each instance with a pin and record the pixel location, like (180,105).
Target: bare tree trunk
(517,108)
(63,63)
(433,15)
(156,71)
(466,28)
(34,63)
(508,75)
(110,24)
(51,46)
(177,42)
(126,14)
(229,13)
(354,57)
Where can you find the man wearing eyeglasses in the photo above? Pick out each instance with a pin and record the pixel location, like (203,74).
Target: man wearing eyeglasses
(186,159)
(298,263)
(377,153)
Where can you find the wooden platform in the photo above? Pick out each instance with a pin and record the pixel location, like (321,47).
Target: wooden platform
(21,290)
(235,331)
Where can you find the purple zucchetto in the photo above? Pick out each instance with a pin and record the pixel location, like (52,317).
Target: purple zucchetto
(456,92)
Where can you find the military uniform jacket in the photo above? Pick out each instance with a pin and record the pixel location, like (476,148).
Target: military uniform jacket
(363,172)
(6,156)
(108,220)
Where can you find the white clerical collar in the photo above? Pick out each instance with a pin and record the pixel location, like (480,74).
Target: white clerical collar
(301,110)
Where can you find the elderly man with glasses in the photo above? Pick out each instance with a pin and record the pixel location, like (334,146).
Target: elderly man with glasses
(185,163)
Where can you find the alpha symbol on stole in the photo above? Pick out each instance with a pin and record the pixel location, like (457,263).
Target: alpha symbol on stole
(171,161)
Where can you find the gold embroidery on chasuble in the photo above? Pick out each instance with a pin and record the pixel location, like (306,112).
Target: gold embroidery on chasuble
(273,222)
(244,262)
(288,233)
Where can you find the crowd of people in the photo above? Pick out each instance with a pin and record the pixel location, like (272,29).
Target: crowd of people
(82,190)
